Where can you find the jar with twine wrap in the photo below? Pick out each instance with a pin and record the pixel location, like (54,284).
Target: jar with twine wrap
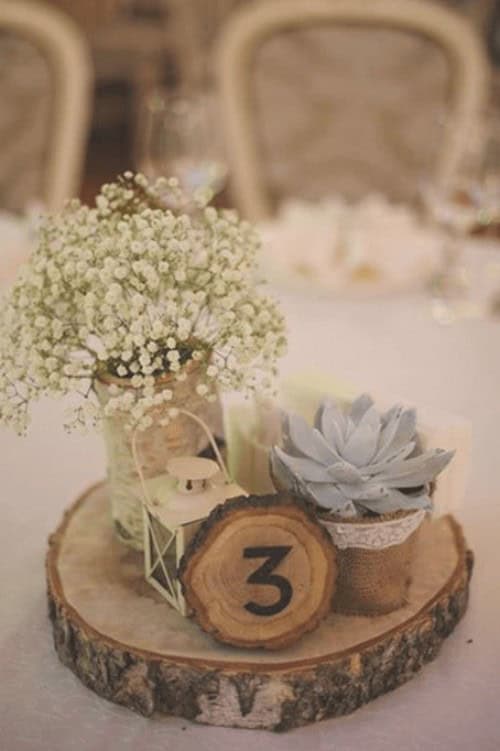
(155,445)
(374,558)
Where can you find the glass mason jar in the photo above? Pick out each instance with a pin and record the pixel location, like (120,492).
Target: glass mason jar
(155,446)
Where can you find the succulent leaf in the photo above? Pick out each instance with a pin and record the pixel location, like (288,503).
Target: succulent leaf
(366,491)
(360,462)
(321,438)
(330,497)
(400,429)
(411,473)
(342,471)
(397,501)
(307,440)
(390,422)
(360,407)
(361,444)
(332,424)
(350,427)
(377,467)
(387,416)
(307,469)
(372,418)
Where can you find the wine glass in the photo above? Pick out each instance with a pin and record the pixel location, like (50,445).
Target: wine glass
(465,209)
(449,286)
(179,137)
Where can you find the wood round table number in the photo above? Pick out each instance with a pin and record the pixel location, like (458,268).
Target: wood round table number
(260,572)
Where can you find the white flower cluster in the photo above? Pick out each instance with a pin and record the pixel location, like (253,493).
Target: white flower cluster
(133,290)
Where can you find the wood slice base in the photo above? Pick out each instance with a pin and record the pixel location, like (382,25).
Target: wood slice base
(128,645)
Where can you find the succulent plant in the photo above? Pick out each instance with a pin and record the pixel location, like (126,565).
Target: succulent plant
(359,462)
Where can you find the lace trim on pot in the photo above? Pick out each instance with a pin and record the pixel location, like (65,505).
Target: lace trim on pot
(374,536)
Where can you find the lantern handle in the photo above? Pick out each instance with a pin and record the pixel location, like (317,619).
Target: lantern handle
(212,440)
(209,435)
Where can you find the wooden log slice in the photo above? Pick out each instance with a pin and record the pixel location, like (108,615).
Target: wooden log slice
(260,572)
(125,643)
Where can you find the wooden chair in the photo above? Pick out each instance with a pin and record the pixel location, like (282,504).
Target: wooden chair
(45,105)
(274,42)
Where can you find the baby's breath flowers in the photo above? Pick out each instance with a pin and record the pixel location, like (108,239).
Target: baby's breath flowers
(133,290)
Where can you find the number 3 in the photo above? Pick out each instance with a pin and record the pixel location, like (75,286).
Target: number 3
(264,575)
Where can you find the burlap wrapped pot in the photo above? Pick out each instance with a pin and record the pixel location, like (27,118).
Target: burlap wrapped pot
(181,437)
(374,558)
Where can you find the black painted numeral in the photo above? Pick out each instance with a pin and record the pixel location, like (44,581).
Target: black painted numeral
(274,555)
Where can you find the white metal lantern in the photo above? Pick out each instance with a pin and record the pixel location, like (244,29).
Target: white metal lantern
(175,505)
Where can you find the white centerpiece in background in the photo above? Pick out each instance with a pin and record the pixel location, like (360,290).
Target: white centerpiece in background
(369,247)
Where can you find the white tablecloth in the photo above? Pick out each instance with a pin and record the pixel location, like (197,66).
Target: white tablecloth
(18,238)
(391,346)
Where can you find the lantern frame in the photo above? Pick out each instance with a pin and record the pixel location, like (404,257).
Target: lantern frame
(167,532)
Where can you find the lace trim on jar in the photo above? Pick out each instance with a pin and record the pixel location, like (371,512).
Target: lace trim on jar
(376,536)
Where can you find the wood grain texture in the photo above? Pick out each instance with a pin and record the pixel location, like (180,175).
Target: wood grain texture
(276,692)
(260,572)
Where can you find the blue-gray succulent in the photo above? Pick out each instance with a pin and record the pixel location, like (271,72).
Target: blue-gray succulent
(357,462)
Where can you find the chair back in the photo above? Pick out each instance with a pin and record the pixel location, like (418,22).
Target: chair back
(321,97)
(45,89)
